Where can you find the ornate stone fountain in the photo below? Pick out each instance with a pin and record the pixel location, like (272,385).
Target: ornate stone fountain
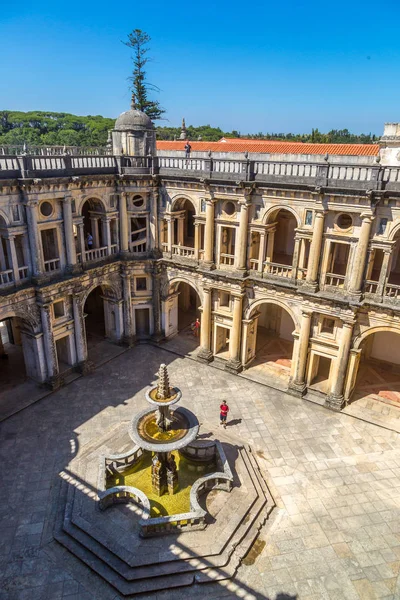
(159,486)
(162,430)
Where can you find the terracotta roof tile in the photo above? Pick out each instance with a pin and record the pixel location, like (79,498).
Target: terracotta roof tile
(273,146)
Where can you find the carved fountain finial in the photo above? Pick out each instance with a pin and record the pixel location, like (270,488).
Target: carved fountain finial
(163,389)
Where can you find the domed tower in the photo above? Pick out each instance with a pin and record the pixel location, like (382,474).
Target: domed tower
(134,134)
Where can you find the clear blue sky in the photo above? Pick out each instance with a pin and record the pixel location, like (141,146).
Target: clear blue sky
(250,66)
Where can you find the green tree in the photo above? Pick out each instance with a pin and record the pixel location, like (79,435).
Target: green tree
(138,40)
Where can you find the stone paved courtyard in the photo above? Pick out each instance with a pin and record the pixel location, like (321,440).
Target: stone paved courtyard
(336,480)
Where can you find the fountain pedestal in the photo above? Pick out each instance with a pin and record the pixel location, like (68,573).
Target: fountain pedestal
(159,479)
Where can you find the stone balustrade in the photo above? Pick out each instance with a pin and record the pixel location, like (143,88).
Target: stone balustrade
(47,162)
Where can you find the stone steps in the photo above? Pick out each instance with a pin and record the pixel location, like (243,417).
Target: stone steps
(130,579)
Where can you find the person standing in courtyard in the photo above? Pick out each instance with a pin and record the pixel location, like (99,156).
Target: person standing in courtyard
(223,413)
(196,328)
(89,241)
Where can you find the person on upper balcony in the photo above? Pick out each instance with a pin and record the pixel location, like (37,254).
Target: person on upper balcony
(188,149)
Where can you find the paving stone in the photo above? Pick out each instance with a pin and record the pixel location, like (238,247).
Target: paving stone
(336,479)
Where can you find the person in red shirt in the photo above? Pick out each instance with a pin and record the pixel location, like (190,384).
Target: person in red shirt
(223,413)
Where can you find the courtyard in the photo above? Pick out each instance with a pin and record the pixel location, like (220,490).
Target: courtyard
(334,534)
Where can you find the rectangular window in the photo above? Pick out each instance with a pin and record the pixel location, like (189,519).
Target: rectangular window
(382,226)
(309,216)
(16,213)
(328,325)
(73,205)
(224,299)
(49,244)
(203,205)
(141,284)
(59,309)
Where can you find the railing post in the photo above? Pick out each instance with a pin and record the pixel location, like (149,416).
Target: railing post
(322,175)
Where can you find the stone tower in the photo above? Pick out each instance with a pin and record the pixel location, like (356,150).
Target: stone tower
(134,133)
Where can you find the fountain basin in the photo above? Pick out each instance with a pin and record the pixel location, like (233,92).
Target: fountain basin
(174,396)
(144,432)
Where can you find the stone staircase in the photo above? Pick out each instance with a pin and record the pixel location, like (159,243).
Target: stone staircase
(109,545)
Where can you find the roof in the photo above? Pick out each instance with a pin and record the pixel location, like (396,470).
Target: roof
(133,119)
(273,146)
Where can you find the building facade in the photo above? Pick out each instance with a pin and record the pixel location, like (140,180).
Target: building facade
(287,253)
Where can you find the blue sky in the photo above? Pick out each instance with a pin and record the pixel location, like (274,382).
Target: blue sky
(257,66)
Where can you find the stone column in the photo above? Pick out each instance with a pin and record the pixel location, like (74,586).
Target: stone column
(315,249)
(35,242)
(107,233)
(95,231)
(205,353)
(181,230)
(297,383)
(156,296)
(170,225)
(3,265)
(69,233)
(127,308)
(335,398)
(261,252)
(116,234)
(358,265)
(49,346)
(3,353)
(234,364)
(241,251)
(123,229)
(383,276)
(209,234)
(12,256)
(270,244)
(81,237)
(196,240)
(295,260)
(80,336)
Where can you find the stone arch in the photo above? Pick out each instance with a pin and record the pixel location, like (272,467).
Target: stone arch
(103,285)
(23,347)
(362,336)
(380,355)
(178,201)
(25,317)
(394,232)
(279,303)
(276,209)
(176,280)
(268,339)
(94,199)
(5,218)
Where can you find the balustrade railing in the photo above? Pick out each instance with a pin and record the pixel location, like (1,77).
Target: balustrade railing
(114,249)
(46,161)
(96,253)
(334,280)
(186,164)
(370,287)
(254,264)
(392,291)
(276,269)
(184,251)
(138,247)
(301,273)
(6,277)
(23,272)
(52,265)
(226,259)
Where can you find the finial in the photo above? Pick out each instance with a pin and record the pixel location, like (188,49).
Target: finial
(133,101)
(163,383)
(183,135)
